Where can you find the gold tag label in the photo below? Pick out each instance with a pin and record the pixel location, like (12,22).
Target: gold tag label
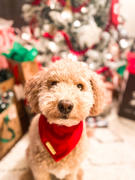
(50,147)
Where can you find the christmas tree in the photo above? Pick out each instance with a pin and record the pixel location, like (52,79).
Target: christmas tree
(90,31)
(86,30)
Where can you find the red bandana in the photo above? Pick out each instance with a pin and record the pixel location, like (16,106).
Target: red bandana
(59,140)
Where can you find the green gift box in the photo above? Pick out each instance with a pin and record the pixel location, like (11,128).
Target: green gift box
(22,62)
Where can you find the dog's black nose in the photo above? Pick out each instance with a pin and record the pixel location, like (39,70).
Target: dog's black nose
(65,106)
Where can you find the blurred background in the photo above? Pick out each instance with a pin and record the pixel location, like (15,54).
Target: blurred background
(100,34)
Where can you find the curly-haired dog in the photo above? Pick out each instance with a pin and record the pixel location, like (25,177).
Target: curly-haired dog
(64,95)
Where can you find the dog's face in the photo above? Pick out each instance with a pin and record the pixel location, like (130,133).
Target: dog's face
(64,93)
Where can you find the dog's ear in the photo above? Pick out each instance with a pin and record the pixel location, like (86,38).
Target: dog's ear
(32,89)
(98,92)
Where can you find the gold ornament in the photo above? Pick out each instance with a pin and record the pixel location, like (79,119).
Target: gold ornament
(68,5)
(67,12)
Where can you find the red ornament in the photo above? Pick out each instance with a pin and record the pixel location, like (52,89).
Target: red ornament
(102,70)
(59,140)
(55,58)
(106,72)
(114,14)
(47,35)
(39,65)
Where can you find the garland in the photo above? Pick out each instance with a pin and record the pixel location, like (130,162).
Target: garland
(68,42)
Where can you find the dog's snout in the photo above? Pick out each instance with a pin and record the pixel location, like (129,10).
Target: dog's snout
(65,106)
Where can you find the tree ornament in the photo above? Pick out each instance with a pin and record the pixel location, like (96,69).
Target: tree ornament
(108,56)
(106,36)
(55,58)
(37,32)
(45,13)
(123,43)
(114,50)
(53,47)
(51,4)
(115,12)
(87,39)
(76,23)
(72,57)
(84,10)
(26,7)
(67,13)
(3,106)
(93,54)
(122,31)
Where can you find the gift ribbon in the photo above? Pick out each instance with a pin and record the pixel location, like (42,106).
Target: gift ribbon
(21,54)
(68,42)
(15,71)
(11,131)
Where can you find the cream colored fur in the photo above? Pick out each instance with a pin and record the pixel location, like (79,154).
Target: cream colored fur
(43,98)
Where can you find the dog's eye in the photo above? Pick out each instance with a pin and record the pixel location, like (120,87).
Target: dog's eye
(53,83)
(80,86)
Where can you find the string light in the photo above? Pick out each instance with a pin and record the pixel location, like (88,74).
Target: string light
(25,36)
(84,10)
(67,15)
(53,47)
(77,23)
(72,57)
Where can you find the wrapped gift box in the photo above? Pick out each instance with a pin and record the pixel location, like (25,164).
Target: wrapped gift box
(23,70)
(127,102)
(22,62)
(6,85)
(6,80)
(10,129)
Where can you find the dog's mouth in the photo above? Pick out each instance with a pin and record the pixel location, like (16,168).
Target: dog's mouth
(64,116)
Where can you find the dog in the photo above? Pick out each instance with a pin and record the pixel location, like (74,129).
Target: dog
(63,95)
